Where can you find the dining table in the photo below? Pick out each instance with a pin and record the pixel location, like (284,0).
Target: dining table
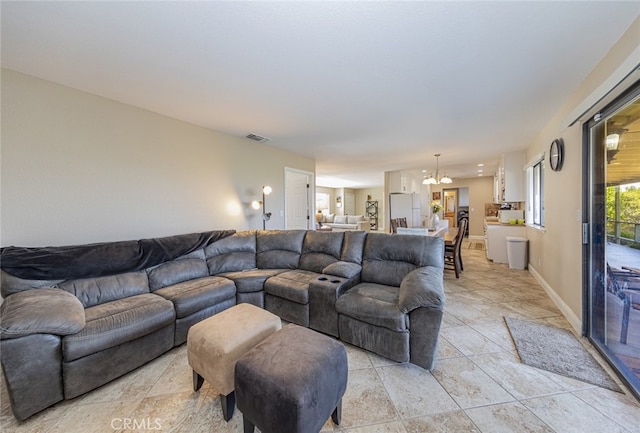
(448,233)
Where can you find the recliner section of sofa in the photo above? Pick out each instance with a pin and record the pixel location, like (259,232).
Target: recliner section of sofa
(380,293)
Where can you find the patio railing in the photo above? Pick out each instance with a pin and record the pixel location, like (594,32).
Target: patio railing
(623,231)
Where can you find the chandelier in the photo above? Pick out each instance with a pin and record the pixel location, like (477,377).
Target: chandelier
(435,180)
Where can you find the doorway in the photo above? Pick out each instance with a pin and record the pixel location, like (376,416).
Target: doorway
(612,253)
(297,201)
(451,206)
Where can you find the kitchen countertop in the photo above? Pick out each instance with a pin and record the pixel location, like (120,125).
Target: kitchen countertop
(498,223)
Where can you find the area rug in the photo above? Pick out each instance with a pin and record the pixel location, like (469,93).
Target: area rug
(558,351)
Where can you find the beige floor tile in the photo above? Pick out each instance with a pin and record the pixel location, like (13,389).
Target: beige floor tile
(414,392)
(450,320)
(498,333)
(469,341)
(389,427)
(567,413)
(448,422)
(172,412)
(366,401)
(507,418)
(446,349)
(97,417)
(624,409)
(177,377)
(520,380)
(467,384)
(358,358)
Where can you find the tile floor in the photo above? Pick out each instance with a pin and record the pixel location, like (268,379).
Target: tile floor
(478,385)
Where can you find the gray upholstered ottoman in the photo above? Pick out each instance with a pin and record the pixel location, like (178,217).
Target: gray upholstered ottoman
(291,382)
(215,344)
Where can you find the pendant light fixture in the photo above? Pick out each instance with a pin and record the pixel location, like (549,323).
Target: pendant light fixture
(435,180)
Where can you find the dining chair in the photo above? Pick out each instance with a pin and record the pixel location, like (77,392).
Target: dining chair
(453,253)
(394,225)
(626,285)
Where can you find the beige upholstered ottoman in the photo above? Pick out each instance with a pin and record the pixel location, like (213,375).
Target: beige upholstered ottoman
(215,344)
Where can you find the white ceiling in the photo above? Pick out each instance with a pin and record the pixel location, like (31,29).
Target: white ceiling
(362,87)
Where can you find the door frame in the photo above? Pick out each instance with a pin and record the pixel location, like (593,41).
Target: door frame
(624,96)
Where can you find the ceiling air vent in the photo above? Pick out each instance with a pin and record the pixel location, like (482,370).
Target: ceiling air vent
(258,138)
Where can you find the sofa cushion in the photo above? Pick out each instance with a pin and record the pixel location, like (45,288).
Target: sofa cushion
(112,323)
(41,311)
(233,253)
(320,250)
(291,285)
(387,259)
(194,295)
(340,219)
(176,271)
(352,247)
(279,249)
(328,218)
(354,219)
(375,304)
(422,288)
(10,284)
(251,280)
(343,269)
(95,291)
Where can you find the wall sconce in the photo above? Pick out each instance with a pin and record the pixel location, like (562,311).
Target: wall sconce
(256,204)
(339,201)
(611,143)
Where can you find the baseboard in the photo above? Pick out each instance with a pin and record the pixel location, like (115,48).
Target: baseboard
(574,320)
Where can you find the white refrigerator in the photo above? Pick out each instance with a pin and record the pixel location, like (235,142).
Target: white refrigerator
(406,206)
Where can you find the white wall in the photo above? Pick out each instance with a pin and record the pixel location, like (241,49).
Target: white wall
(78,168)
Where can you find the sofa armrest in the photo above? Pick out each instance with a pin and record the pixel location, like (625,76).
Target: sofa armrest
(422,287)
(364,226)
(41,311)
(343,269)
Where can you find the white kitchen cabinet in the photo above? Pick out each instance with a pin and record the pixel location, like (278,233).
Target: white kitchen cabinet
(402,181)
(511,177)
(496,240)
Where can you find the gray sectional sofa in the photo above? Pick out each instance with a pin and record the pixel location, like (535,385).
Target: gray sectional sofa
(74,318)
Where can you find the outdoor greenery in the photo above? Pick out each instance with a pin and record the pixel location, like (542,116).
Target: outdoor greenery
(629,208)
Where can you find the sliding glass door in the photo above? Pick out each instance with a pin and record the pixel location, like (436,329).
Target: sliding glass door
(612,259)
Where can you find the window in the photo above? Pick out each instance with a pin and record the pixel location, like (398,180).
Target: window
(535,192)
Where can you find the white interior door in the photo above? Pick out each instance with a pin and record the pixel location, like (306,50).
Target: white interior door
(349,203)
(297,199)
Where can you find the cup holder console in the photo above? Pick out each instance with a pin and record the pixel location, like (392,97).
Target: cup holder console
(329,280)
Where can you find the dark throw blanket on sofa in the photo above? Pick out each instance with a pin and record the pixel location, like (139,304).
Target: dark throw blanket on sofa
(101,259)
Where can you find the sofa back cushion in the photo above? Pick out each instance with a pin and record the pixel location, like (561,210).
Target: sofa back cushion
(387,259)
(354,219)
(328,218)
(320,250)
(10,284)
(176,271)
(232,254)
(353,246)
(279,249)
(340,219)
(95,291)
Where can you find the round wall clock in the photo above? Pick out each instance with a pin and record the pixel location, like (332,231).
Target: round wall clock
(556,154)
